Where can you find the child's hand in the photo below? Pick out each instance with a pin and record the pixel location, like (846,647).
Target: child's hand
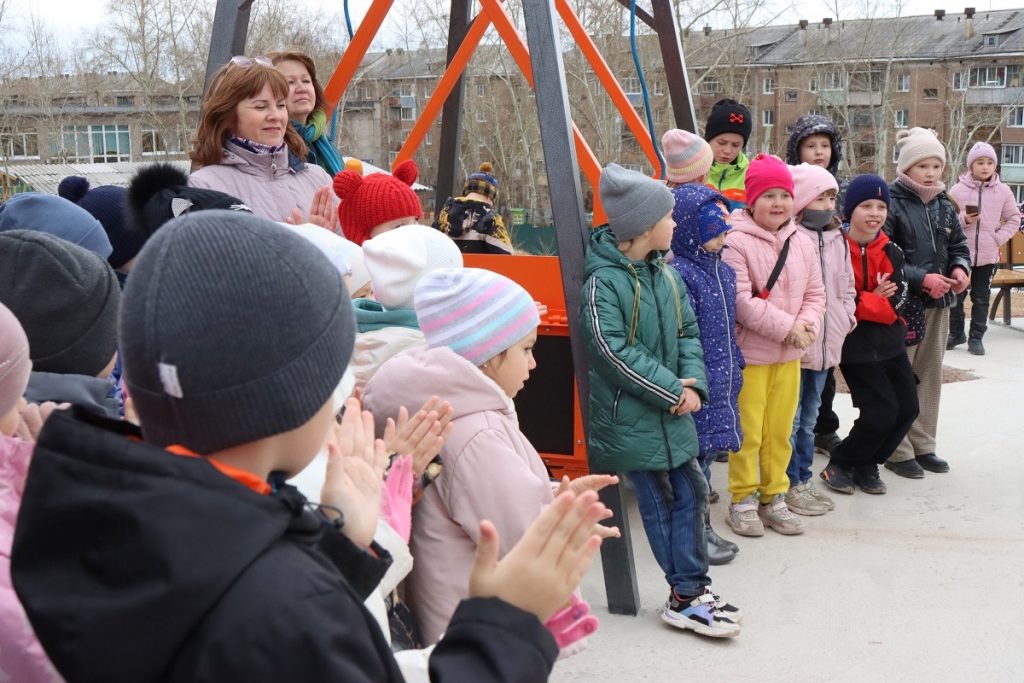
(32,417)
(396,498)
(959,280)
(935,285)
(540,572)
(886,287)
(970,218)
(686,383)
(422,435)
(355,472)
(542,310)
(688,403)
(591,482)
(321,211)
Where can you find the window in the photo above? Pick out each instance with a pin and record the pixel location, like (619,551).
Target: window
(767,118)
(631,85)
(866,81)
(895,154)
(768,85)
(992,40)
(1015,117)
(1013,154)
(791,95)
(813,85)
(659,88)
(987,77)
(902,116)
(408,114)
(124,100)
(96,144)
(481,116)
(658,115)
(1018,193)
(428,139)
(20,145)
(931,93)
(364,93)
(153,143)
(406,90)
(709,86)
(427,91)
(391,159)
(903,83)
(834,80)
(481,89)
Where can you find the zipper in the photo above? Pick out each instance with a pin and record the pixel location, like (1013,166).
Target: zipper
(732,360)
(824,326)
(864,266)
(661,345)
(615,404)
(977,229)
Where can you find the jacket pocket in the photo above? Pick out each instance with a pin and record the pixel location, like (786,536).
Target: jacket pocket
(615,404)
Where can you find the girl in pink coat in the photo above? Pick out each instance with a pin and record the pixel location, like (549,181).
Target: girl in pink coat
(990,216)
(780,302)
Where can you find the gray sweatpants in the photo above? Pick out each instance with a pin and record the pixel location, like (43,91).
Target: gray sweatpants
(926,359)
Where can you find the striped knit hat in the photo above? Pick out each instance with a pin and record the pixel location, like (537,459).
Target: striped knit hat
(476,313)
(688,157)
(482,182)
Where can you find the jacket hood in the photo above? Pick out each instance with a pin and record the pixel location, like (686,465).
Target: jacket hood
(80,390)
(743,222)
(815,124)
(604,251)
(370,316)
(694,207)
(971,182)
(94,490)
(278,163)
(413,376)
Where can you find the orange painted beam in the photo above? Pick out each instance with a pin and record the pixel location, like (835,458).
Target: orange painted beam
(357,47)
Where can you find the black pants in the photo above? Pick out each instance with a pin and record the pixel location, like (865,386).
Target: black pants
(980,291)
(886,394)
(828,421)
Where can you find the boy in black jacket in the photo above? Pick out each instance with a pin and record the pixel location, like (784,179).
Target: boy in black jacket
(167,555)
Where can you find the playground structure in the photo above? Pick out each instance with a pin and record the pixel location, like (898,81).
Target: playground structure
(566,154)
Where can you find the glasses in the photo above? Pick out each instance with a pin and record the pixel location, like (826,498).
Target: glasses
(243,62)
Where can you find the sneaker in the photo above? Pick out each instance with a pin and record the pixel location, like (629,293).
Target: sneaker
(829,504)
(776,516)
(866,477)
(743,519)
(837,478)
(699,614)
(800,501)
(731,612)
(932,463)
(827,442)
(975,347)
(953,341)
(906,468)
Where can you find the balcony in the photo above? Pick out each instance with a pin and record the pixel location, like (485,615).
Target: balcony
(1011,173)
(843,98)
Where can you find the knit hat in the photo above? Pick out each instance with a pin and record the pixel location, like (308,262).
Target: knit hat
(482,182)
(160,192)
(861,189)
(728,116)
(56,216)
(688,157)
(981,150)
(66,299)
(767,172)
(366,202)
(477,313)
(632,201)
(398,259)
(15,364)
(809,181)
(815,124)
(917,144)
(698,217)
(275,320)
(106,204)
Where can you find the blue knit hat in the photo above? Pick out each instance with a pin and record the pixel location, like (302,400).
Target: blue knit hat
(861,189)
(55,216)
(697,211)
(107,205)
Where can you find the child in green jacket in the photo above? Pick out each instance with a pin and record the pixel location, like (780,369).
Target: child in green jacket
(727,131)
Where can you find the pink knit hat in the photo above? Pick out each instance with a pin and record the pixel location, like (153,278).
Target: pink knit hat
(688,157)
(475,312)
(809,181)
(15,365)
(767,172)
(980,150)
(916,145)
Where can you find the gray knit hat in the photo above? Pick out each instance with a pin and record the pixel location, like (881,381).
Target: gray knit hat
(66,298)
(633,202)
(233,329)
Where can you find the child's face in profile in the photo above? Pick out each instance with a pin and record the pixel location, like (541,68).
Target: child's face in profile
(826,201)
(773,209)
(511,368)
(816,150)
(983,169)
(926,172)
(715,244)
(661,233)
(726,147)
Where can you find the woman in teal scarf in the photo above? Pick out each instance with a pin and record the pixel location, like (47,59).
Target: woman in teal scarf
(307,108)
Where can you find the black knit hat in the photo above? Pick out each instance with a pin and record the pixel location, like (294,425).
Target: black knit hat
(106,204)
(160,192)
(233,329)
(728,116)
(66,298)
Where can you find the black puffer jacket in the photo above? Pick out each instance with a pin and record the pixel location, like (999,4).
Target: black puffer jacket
(930,236)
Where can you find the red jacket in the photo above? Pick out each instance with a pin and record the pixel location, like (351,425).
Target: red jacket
(880,329)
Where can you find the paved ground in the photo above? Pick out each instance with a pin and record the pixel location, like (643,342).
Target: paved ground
(924,583)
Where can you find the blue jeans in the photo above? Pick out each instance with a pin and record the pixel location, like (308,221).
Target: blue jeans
(812,382)
(673,506)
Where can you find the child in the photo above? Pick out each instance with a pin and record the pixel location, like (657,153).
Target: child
(701,222)
(688,158)
(646,377)
(814,205)
(107,205)
(396,261)
(990,217)
(480,330)
(780,302)
(193,567)
(55,216)
(727,131)
(923,222)
(66,299)
(376,203)
(471,220)
(874,363)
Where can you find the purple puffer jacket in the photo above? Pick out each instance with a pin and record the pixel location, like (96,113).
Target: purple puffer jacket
(840,298)
(998,217)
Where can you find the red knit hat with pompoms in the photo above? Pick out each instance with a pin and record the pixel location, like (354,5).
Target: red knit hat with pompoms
(368,201)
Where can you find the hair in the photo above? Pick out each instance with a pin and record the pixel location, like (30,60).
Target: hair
(230,85)
(306,61)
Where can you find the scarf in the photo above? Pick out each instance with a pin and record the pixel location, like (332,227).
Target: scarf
(926,193)
(256,147)
(324,152)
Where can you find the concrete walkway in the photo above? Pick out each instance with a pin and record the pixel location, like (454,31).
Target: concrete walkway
(925,583)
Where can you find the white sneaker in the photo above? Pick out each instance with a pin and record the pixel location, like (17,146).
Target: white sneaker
(776,516)
(743,519)
(800,500)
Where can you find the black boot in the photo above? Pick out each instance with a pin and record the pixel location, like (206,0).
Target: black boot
(715,540)
(955,340)
(956,323)
(975,347)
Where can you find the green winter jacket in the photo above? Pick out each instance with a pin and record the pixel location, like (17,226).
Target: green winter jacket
(641,337)
(731,180)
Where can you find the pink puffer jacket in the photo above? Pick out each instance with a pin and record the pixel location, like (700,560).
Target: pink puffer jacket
(762,324)
(840,298)
(998,217)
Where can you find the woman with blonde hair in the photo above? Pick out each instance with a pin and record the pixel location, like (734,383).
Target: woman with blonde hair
(245,147)
(307,108)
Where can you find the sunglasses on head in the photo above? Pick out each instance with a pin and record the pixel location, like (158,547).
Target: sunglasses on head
(243,62)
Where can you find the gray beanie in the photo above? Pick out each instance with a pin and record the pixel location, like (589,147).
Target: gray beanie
(66,298)
(633,201)
(233,329)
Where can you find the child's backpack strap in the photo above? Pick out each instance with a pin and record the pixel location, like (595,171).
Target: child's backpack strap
(678,299)
(776,271)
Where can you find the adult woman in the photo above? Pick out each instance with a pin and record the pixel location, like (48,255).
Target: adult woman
(307,108)
(245,147)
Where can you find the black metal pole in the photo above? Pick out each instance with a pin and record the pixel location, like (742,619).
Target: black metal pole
(675,64)
(228,35)
(451,115)
(572,233)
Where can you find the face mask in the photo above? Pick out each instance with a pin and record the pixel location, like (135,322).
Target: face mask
(816,219)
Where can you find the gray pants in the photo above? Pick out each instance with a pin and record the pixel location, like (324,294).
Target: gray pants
(926,359)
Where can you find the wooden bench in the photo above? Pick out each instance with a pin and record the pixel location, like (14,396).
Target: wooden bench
(1005,279)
